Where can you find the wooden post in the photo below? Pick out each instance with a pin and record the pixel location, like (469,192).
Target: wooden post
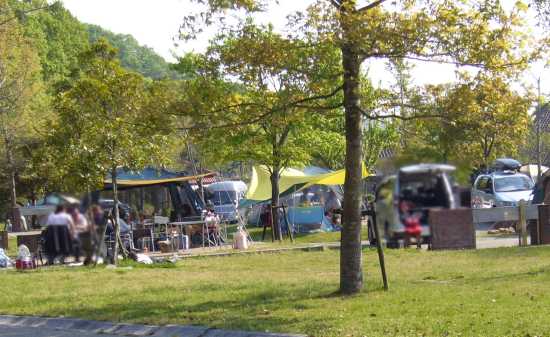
(287,224)
(539,238)
(522,223)
(379,248)
(4,239)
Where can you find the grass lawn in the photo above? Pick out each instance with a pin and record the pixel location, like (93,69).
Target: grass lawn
(492,292)
(320,237)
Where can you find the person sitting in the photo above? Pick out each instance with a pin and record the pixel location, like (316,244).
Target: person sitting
(305,199)
(413,229)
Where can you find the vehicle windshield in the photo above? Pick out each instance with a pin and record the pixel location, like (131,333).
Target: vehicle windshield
(513,183)
(223,197)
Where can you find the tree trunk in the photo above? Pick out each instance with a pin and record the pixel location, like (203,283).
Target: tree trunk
(275,203)
(14,209)
(116,214)
(201,190)
(351,269)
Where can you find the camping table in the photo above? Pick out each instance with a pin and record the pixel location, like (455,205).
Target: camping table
(154,235)
(185,226)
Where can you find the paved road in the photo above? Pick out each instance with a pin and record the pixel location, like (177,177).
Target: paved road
(489,241)
(29,326)
(17,331)
(496,242)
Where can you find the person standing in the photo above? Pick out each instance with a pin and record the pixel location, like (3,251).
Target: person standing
(58,235)
(82,235)
(99,226)
(332,206)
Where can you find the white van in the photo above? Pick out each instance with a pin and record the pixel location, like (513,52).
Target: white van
(225,196)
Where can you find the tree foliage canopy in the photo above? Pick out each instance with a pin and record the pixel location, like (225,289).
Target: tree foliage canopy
(108,118)
(255,96)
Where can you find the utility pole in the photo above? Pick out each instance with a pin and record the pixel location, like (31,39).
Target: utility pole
(538,123)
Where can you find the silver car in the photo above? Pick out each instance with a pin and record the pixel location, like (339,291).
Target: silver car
(501,189)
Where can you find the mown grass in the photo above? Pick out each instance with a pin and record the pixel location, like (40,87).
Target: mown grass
(492,292)
(318,237)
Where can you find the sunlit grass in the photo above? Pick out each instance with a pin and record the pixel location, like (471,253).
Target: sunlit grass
(492,292)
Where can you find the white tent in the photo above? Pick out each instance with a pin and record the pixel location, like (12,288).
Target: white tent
(532,170)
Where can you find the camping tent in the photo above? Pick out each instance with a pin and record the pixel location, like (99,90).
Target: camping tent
(291,180)
(532,170)
(303,218)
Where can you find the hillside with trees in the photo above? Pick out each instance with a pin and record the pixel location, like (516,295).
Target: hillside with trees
(41,48)
(132,55)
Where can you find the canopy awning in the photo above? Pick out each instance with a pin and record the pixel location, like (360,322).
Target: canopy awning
(290,180)
(151,177)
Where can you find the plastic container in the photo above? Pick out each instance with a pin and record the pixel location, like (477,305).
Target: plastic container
(240,240)
(24,259)
(185,242)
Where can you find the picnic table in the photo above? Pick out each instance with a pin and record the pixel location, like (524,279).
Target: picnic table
(191,227)
(162,228)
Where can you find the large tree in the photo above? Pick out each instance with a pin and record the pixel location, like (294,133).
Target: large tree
(263,102)
(474,33)
(108,118)
(20,87)
(482,118)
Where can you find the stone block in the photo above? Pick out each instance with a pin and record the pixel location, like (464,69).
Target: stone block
(180,331)
(93,326)
(60,323)
(452,228)
(135,330)
(9,319)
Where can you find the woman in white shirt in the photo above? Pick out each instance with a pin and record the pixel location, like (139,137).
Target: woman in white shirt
(58,235)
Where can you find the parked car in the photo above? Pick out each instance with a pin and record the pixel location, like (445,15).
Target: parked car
(501,189)
(422,187)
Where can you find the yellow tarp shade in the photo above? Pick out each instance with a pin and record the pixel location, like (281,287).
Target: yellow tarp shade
(137,182)
(260,184)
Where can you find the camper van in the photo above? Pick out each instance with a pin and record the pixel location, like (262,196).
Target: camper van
(419,187)
(225,197)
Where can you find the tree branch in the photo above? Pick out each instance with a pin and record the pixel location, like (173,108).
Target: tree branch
(26,12)
(284,136)
(371,5)
(318,97)
(336,3)
(433,58)
(228,125)
(400,117)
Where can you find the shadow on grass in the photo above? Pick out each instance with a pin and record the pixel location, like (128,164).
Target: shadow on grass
(265,311)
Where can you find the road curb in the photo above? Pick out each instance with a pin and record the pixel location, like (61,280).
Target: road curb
(123,329)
